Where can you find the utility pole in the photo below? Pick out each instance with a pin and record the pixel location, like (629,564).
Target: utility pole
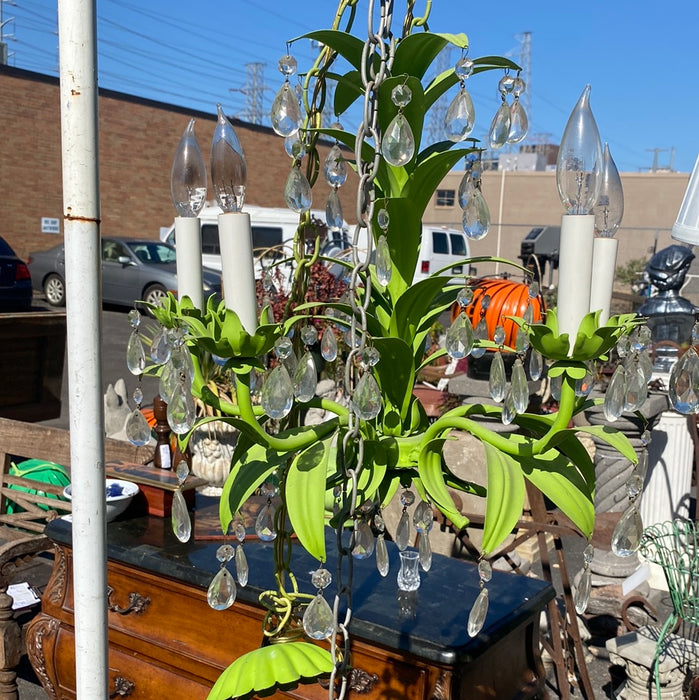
(3,44)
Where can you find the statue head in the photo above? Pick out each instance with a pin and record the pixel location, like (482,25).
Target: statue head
(668,267)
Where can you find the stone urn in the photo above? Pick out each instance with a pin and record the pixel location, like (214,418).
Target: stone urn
(211,448)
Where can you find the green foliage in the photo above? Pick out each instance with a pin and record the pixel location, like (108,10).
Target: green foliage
(631,272)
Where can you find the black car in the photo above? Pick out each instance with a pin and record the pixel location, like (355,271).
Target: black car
(15,281)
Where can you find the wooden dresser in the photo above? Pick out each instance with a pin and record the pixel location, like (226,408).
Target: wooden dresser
(164,639)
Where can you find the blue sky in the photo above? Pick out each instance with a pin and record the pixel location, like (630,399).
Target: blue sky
(639,57)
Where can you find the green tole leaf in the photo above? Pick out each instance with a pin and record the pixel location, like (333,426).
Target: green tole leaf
(612,437)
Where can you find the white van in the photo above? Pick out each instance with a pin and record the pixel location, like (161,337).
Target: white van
(442,247)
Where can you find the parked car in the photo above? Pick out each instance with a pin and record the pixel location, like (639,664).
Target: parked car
(15,281)
(132,270)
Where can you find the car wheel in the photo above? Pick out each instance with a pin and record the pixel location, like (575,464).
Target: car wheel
(55,290)
(154,294)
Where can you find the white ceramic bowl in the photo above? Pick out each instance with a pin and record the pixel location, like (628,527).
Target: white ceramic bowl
(119,494)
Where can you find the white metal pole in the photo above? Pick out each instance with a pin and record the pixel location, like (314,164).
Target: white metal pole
(79,126)
(500,211)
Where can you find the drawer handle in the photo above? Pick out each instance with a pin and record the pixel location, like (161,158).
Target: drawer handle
(122,687)
(137,603)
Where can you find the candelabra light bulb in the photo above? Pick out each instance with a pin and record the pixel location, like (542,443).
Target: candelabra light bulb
(188,175)
(686,228)
(228,168)
(579,159)
(609,208)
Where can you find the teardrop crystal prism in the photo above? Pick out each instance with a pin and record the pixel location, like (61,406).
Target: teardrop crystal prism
(479,611)
(382,561)
(335,167)
(646,365)
(423,517)
(137,429)
(334,217)
(460,117)
(424,549)
(366,398)
(277,395)
(318,621)
(135,354)
(628,532)
(167,383)
(286,111)
(636,388)
(403,531)
(297,192)
(160,347)
(476,218)
(181,412)
(328,345)
(615,396)
(242,570)
(581,594)
(466,187)
(519,123)
(181,522)
(222,590)
(305,378)
(520,387)
(497,380)
(536,365)
(398,143)
(458,341)
(383,261)
(683,386)
(264,524)
(480,333)
(500,127)
(363,540)
(509,412)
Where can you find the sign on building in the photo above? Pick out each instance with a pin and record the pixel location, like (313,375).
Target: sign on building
(50,225)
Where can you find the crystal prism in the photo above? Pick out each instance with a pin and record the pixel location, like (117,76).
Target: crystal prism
(135,354)
(181,412)
(581,593)
(480,333)
(363,540)
(277,395)
(398,143)
(286,111)
(424,549)
(536,365)
(264,524)
(222,590)
(328,345)
(497,381)
(519,387)
(460,117)
(335,167)
(241,566)
(459,338)
(167,383)
(478,613)
(636,388)
(476,218)
(519,123)
(366,398)
(509,412)
(382,562)
(615,396)
(297,192)
(318,621)
(137,429)
(683,386)
(383,261)
(403,531)
(305,378)
(423,517)
(334,217)
(181,522)
(409,573)
(627,533)
(160,348)
(466,187)
(500,127)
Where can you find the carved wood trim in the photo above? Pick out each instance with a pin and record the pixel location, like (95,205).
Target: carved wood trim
(442,688)
(56,587)
(42,629)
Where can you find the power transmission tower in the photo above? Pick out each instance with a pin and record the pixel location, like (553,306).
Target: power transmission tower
(434,129)
(655,167)
(254,91)
(525,61)
(3,44)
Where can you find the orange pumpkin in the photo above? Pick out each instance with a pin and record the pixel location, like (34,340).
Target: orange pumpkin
(507,298)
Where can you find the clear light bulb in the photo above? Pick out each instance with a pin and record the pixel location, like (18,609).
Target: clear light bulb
(579,162)
(228,169)
(188,175)
(609,208)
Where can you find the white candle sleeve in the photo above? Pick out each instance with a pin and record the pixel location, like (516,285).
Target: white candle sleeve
(188,243)
(237,263)
(574,272)
(603,268)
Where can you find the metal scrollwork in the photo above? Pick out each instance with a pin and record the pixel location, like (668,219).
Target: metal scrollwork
(137,603)
(122,687)
(362,682)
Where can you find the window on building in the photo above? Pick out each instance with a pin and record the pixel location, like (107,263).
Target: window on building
(446,198)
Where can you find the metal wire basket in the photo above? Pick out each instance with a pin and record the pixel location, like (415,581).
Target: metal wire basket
(673,546)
